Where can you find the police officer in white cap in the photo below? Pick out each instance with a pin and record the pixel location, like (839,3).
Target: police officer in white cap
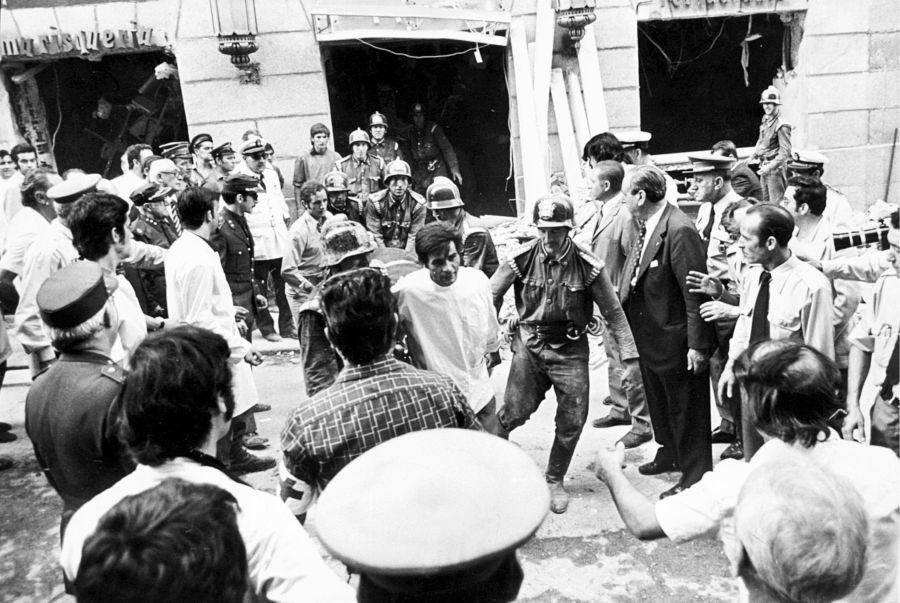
(837,208)
(419,537)
(447,206)
(635,145)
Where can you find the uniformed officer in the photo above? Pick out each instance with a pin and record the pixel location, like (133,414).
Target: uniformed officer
(432,153)
(635,145)
(386,148)
(225,160)
(773,147)
(69,410)
(443,544)
(478,247)
(364,169)
(153,225)
(557,281)
(235,243)
(180,153)
(396,214)
(204,167)
(837,208)
(339,201)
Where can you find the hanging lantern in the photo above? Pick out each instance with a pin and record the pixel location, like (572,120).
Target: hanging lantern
(234,22)
(574,16)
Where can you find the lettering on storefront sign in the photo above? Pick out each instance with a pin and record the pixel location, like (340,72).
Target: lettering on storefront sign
(716,4)
(84,42)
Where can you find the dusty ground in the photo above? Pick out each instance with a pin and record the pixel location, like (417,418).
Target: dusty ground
(583,555)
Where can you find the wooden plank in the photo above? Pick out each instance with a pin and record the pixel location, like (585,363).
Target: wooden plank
(417,34)
(533,172)
(576,106)
(570,151)
(591,83)
(545,26)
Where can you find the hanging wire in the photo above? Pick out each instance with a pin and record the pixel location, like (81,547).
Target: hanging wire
(411,56)
(58,112)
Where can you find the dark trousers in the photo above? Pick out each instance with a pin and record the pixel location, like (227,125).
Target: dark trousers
(245,300)
(679,412)
(262,269)
(534,369)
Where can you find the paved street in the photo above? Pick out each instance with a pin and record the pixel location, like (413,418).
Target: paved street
(583,555)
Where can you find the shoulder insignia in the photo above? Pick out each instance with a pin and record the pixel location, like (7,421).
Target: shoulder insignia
(523,248)
(420,200)
(114,372)
(595,263)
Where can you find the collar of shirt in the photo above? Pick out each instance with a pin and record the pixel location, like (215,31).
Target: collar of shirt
(651,223)
(563,258)
(783,269)
(722,204)
(361,161)
(384,364)
(314,152)
(61,228)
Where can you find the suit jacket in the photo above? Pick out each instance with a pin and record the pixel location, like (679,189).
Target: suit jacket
(604,235)
(234,244)
(745,182)
(664,315)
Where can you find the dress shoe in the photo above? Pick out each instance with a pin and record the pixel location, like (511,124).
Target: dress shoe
(720,436)
(633,440)
(608,401)
(292,334)
(249,463)
(5,426)
(673,490)
(255,441)
(260,407)
(7,436)
(655,467)
(610,421)
(5,463)
(559,498)
(273,337)
(735,451)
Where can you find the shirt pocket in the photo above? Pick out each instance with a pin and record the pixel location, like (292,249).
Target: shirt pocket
(784,325)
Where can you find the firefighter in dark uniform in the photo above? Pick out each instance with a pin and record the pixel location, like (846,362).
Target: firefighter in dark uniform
(339,201)
(432,153)
(235,243)
(447,206)
(154,226)
(69,410)
(364,170)
(396,214)
(557,281)
(383,146)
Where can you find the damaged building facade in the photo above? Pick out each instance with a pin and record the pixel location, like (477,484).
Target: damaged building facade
(517,85)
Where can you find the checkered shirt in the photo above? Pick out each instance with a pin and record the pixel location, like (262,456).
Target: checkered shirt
(366,405)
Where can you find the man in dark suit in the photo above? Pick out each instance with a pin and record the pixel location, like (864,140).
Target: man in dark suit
(673,340)
(743,180)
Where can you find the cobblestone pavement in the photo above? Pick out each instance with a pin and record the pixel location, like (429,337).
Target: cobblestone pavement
(583,555)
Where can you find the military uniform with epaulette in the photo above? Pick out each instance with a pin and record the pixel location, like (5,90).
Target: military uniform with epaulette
(160,232)
(395,222)
(235,246)
(555,295)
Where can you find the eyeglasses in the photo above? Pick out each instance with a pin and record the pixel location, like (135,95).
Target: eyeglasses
(256,156)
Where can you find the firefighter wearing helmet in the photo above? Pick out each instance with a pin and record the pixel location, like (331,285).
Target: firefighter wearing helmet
(557,282)
(383,146)
(447,206)
(396,214)
(773,148)
(364,169)
(432,153)
(337,189)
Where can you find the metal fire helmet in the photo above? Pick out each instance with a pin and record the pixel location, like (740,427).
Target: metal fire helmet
(553,211)
(378,119)
(336,181)
(770,95)
(443,194)
(359,135)
(397,168)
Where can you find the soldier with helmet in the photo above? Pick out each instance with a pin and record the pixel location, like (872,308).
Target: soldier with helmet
(339,202)
(557,282)
(773,148)
(396,214)
(432,153)
(478,247)
(383,146)
(364,170)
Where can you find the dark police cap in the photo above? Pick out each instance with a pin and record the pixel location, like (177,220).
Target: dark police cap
(708,162)
(74,294)
(222,150)
(149,193)
(71,189)
(199,139)
(172,150)
(240,184)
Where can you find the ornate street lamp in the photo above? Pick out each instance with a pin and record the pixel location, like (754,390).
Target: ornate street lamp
(574,16)
(234,22)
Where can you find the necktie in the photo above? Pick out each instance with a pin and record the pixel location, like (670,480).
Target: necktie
(638,251)
(759,325)
(892,376)
(707,230)
(176,221)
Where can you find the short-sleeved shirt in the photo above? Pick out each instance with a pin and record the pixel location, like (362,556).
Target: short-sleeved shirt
(25,228)
(708,505)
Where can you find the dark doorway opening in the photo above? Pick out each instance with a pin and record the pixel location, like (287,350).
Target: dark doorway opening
(693,92)
(468,99)
(137,108)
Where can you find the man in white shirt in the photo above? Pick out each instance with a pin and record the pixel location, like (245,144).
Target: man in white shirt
(448,315)
(197,293)
(31,223)
(268,225)
(25,157)
(175,406)
(781,297)
(302,266)
(131,177)
(792,390)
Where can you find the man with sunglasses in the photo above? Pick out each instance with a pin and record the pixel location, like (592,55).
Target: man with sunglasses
(790,390)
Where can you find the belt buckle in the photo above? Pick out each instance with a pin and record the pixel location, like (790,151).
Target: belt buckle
(573,333)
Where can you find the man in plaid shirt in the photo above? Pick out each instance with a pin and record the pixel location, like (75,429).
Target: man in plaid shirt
(374,398)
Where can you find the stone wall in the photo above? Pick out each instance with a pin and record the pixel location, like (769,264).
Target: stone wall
(845,98)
